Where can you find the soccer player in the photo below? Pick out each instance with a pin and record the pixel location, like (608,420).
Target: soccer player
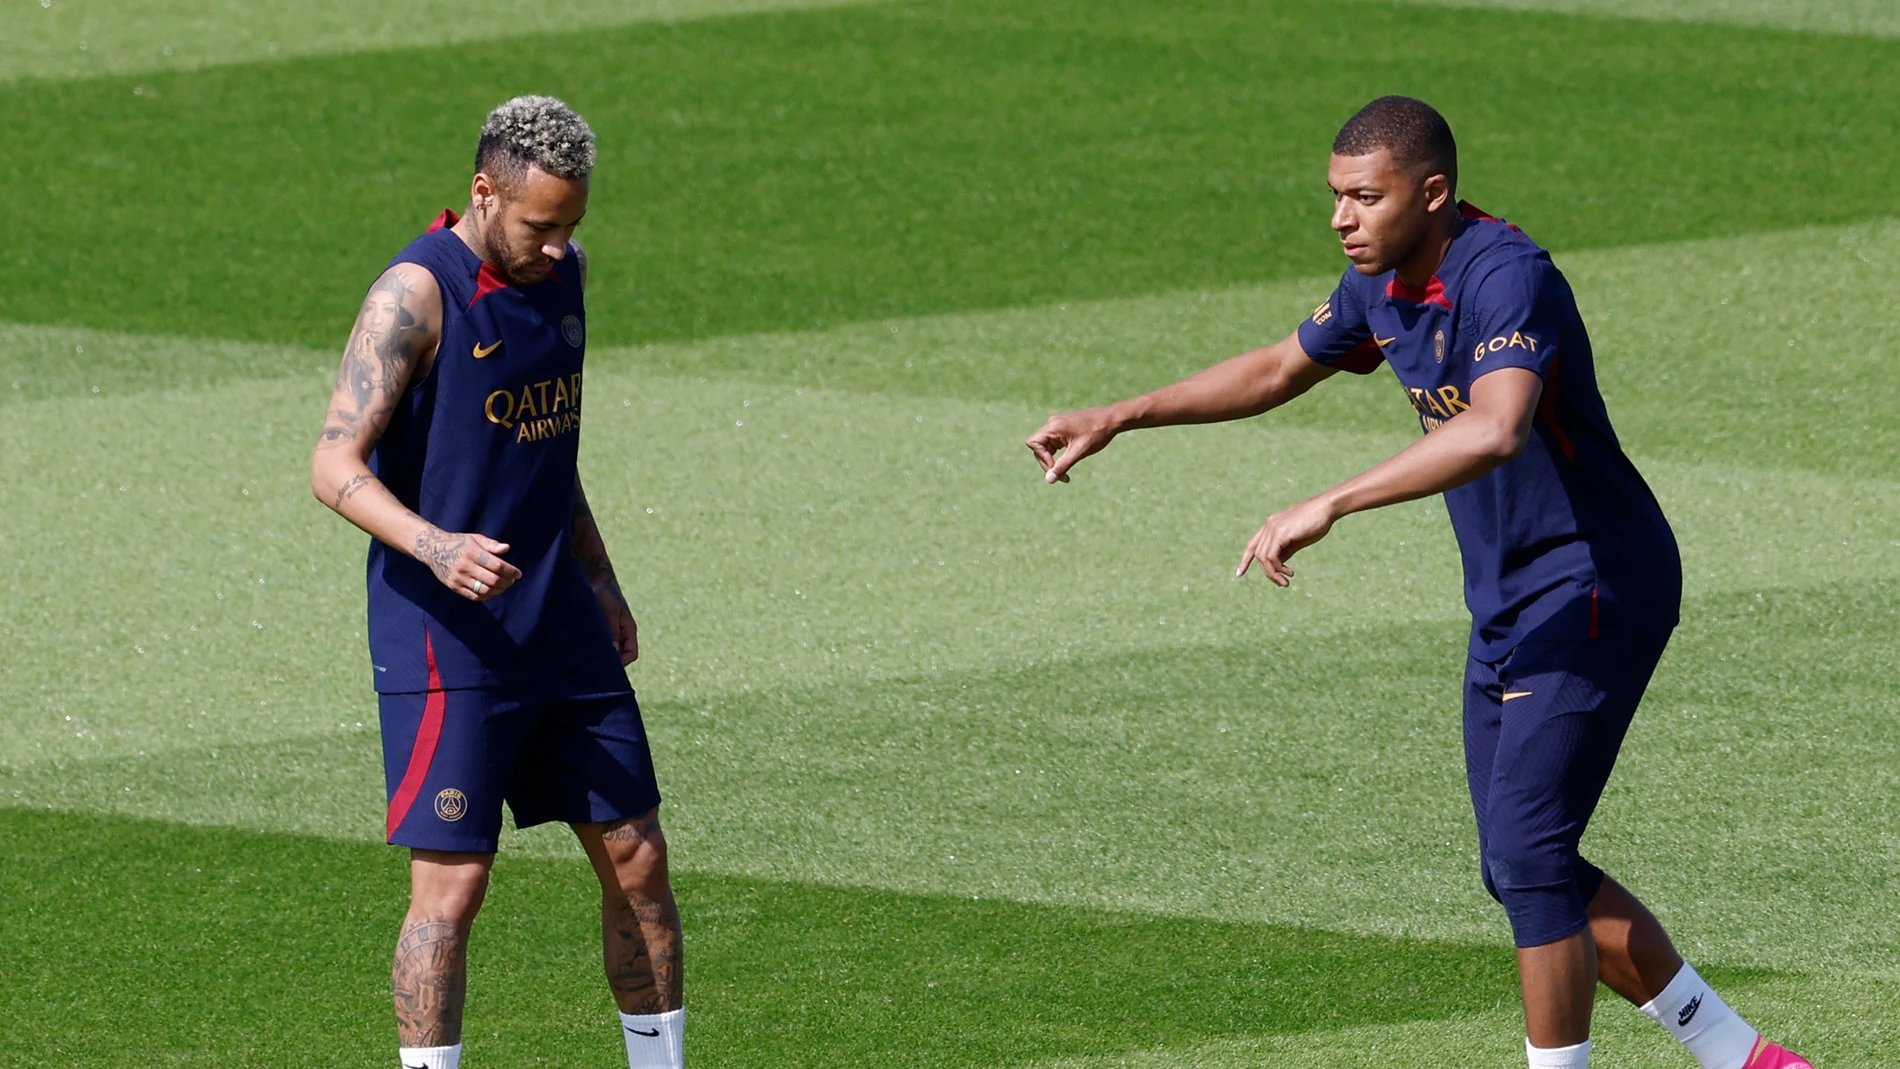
(1571,572)
(497,630)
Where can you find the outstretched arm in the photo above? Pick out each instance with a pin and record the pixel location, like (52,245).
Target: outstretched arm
(1491,432)
(391,346)
(591,550)
(1238,388)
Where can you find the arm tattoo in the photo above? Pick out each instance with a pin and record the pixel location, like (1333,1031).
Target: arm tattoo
(438,549)
(589,549)
(383,349)
(429,982)
(349,489)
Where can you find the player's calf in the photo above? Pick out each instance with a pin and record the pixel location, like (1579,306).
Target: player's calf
(429,978)
(640,936)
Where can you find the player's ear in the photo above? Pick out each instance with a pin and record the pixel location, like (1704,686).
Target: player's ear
(482,192)
(1437,192)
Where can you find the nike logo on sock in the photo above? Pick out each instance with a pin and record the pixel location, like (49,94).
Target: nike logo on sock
(1688,1012)
(650,1035)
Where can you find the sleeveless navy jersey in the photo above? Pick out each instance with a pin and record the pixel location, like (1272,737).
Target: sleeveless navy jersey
(1566,541)
(488,443)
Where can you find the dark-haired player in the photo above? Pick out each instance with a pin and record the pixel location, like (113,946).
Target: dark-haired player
(1571,572)
(497,630)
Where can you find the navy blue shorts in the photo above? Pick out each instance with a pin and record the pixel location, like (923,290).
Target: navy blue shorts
(1542,731)
(451,757)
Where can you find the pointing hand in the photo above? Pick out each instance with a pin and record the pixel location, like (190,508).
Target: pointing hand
(1068,437)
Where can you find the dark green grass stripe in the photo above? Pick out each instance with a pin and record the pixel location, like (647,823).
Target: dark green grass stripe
(783,170)
(222,947)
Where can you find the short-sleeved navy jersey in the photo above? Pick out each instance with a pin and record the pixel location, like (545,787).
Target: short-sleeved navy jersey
(488,442)
(1566,541)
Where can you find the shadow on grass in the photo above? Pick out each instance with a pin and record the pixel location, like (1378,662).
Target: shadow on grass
(220,946)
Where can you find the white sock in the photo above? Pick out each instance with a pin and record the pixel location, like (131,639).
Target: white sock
(1692,1012)
(655,1040)
(431,1057)
(1577,1057)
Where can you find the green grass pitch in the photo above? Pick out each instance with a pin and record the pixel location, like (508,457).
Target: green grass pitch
(962,770)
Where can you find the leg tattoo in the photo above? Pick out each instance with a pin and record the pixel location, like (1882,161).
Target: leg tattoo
(640,930)
(430,980)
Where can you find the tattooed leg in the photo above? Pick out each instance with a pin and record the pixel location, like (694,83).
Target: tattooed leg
(429,979)
(640,924)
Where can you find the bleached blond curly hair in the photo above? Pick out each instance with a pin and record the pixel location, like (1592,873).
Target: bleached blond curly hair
(534,131)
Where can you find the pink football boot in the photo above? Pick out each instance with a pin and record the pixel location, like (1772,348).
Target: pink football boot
(1767,1055)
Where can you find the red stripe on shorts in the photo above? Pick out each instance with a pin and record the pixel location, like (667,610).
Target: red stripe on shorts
(423,754)
(1593,612)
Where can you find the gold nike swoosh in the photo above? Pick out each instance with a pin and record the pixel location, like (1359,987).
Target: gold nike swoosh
(482,351)
(1509,694)
(1383,342)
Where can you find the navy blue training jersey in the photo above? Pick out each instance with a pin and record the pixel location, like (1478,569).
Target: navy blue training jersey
(1566,541)
(488,443)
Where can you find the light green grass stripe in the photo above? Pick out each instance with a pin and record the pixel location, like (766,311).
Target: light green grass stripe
(1867,18)
(810,552)
(87,38)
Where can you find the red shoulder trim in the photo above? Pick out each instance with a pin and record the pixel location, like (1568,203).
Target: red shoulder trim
(1432,293)
(1479,215)
(487,281)
(1364,359)
(447,219)
(1547,408)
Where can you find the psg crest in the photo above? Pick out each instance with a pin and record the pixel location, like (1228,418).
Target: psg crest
(451,804)
(571,330)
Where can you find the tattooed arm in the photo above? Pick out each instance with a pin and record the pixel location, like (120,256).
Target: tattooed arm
(591,550)
(393,345)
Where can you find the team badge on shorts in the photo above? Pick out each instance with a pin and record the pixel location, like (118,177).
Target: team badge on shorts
(451,805)
(571,330)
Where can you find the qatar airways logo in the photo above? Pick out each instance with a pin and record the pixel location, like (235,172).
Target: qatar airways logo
(537,411)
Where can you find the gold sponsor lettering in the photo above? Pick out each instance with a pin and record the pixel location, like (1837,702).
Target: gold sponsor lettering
(1323,313)
(505,417)
(1454,402)
(534,411)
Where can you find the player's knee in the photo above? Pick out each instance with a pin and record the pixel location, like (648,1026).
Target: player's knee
(1540,893)
(642,870)
(452,894)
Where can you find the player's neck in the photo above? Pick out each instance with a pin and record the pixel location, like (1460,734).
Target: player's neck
(1417,270)
(469,230)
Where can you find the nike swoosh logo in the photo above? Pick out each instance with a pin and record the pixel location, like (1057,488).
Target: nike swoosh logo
(1509,694)
(637,1032)
(406,1065)
(1383,342)
(481,351)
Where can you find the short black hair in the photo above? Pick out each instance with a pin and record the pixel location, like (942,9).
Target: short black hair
(1410,129)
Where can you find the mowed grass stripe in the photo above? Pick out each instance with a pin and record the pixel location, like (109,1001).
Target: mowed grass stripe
(235,935)
(783,170)
(1756,350)
(795,537)
(1875,18)
(1317,782)
(65,39)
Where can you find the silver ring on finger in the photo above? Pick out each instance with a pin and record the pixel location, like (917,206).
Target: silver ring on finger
(480,586)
